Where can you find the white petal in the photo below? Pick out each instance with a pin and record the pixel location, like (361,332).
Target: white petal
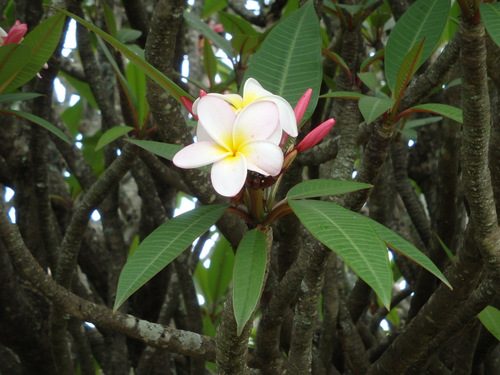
(258,120)
(217,118)
(263,157)
(235,100)
(288,121)
(199,154)
(229,175)
(201,133)
(252,90)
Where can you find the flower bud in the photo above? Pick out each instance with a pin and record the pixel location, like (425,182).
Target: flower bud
(302,104)
(315,135)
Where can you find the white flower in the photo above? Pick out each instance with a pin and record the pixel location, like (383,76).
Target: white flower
(234,141)
(253,92)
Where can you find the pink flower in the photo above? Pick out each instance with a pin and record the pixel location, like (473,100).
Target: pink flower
(234,142)
(315,135)
(15,34)
(302,104)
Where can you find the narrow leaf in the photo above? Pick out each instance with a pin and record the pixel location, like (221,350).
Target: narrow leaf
(288,61)
(248,276)
(490,317)
(13,58)
(372,107)
(445,110)
(344,95)
(490,14)
(162,246)
(9,98)
(353,238)
(142,64)
(38,120)
(424,19)
(320,188)
(209,62)
(112,134)
(408,68)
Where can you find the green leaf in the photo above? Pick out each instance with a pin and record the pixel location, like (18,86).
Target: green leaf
(162,246)
(208,33)
(9,98)
(425,18)
(83,89)
(337,59)
(445,110)
(209,62)
(214,281)
(289,60)
(165,150)
(372,107)
(38,120)
(248,276)
(127,35)
(408,68)
(422,121)
(212,6)
(369,79)
(42,41)
(320,188)
(142,64)
(490,317)
(13,58)
(112,134)
(72,117)
(490,14)
(109,18)
(344,95)
(235,25)
(369,61)
(353,238)
(397,243)
(137,83)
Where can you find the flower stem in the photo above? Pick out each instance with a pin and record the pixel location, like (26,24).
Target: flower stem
(256,205)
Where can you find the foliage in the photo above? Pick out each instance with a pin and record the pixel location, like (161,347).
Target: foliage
(360,241)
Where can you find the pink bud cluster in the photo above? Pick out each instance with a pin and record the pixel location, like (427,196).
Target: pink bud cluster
(15,34)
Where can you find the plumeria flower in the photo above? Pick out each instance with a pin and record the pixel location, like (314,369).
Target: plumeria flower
(235,142)
(254,92)
(15,34)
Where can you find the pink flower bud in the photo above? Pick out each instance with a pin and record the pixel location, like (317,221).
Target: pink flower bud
(16,33)
(315,135)
(302,104)
(188,103)
(218,28)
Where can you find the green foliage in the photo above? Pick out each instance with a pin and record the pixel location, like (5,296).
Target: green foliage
(424,19)
(320,187)
(490,317)
(351,237)
(248,276)
(165,150)
(490,14)
(372,107)
(445,110)
(162,246)
(289,60)
(111,135)
(40,44)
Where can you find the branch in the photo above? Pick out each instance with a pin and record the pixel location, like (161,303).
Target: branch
(153,334)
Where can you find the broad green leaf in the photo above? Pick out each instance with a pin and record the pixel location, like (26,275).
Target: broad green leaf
(162,246)
(235,25)
(214,280)
(142,64)
(397,243)
(127,35)
(72,117)
(248,276)
(369,79)
(408,68)
(321,187)
(208,33)
(212,6)
(38,120)
(165,150)
(372,107)
(344,95)
(490,14)
(9,98)
(289,60)
(83,89)
(490,317)
(445,110)
(13,58)
(112,134)
(425,18)
(353,238)
(42,41)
